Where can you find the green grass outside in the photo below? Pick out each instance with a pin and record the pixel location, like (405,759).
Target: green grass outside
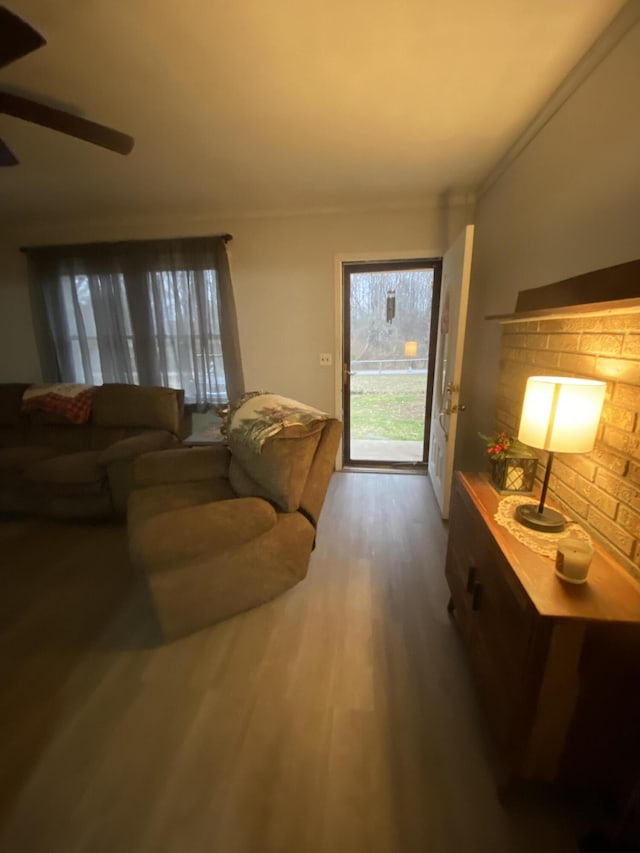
(388,407)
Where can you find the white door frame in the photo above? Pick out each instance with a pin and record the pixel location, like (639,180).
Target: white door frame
(340,260)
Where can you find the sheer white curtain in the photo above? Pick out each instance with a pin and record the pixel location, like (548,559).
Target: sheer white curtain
(147,312)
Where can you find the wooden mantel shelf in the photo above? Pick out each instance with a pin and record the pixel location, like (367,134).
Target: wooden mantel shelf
(613,290)
(593,309)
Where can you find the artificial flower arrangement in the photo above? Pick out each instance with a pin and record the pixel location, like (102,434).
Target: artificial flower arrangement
(500,445)
(513,465)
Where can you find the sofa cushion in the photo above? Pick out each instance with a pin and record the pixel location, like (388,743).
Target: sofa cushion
(273,441)
(117,405)
(146,441)
(101,438)
(10,436)
(209,529)
(156,500)
(182,465)
(70,469)
(18,458)
(11,402)
(67,438)
(279,471)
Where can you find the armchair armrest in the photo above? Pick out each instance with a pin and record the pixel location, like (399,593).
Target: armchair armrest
(129,448)
(182,465)
(177,536)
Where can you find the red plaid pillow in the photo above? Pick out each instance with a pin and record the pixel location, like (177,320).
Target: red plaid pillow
(72,402)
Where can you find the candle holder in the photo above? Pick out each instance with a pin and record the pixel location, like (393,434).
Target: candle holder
(514,474)
(573,559)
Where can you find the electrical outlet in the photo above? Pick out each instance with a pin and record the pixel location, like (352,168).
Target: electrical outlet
(326,359)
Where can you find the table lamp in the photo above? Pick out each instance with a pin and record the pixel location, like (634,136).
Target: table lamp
(560,414)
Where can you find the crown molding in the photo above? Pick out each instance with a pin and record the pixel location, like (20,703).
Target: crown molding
(624,21)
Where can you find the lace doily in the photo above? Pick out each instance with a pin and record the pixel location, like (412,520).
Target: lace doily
(542,543)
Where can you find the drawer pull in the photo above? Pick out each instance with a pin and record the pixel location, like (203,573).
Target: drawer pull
(476,596)
(471,578)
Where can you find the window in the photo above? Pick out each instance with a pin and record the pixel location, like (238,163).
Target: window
(149,313)
(76,297)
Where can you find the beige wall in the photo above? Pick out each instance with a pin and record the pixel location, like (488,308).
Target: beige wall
(283,274)
(18,354)
(568,204)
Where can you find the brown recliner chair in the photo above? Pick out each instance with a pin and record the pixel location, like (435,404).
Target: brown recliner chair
(216,531)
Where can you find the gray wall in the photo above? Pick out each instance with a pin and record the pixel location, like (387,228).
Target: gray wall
(568,204)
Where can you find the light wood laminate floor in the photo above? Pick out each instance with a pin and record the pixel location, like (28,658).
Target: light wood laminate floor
(339,717)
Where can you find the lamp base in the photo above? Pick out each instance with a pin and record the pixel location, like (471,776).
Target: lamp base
(548,521)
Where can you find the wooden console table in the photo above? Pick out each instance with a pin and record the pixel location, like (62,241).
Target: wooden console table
(557,665)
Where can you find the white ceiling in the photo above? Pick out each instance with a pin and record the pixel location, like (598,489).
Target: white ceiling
(249,106)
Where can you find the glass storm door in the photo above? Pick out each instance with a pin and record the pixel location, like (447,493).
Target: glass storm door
(390,318)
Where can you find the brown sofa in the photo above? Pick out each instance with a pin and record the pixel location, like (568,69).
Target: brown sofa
(215,531)
(52,467)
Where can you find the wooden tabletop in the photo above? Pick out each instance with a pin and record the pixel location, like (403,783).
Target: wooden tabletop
(609,594)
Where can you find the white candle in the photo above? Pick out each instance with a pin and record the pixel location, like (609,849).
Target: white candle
(573,559)
(516,478)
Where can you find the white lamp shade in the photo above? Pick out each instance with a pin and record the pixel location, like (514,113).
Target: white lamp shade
(410,349)
(561,414)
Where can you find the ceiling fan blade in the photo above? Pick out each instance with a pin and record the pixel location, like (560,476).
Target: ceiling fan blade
(7,157)
(17,38)
(72,125)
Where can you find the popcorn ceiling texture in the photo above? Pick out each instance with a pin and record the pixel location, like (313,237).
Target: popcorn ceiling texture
(601,489)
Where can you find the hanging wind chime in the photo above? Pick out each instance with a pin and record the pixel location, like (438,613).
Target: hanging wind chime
(391,305)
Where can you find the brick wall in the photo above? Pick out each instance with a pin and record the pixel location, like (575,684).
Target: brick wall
(601,489)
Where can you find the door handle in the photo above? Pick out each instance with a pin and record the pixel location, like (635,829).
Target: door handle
(476,596)
(471,578)
(441,415)
(451,409)
(474,587)
(346,373)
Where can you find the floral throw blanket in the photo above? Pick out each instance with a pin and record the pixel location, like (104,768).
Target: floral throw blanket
(70,401)
(259,415)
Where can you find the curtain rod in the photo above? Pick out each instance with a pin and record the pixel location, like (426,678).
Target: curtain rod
(226,237)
